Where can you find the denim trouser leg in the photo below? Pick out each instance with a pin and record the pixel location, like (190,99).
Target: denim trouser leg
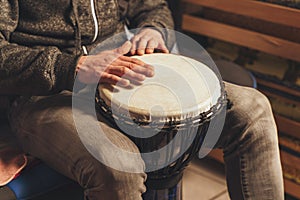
(250,145)
(45,128)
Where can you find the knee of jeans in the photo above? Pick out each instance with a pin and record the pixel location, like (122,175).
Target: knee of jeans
(250,116)
(96,178)
(260,122)
(261,101)
(252,104)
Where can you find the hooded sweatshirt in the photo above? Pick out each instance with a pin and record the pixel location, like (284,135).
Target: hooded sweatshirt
(41,41)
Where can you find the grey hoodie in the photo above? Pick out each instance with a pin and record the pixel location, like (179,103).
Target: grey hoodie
(41,41)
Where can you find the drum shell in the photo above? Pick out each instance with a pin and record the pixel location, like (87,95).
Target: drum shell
(188,105)
(192,132)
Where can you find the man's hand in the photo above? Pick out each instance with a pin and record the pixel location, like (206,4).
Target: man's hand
(113,67)
(146,41)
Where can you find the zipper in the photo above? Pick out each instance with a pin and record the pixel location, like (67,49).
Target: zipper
(95,20)
(85,51)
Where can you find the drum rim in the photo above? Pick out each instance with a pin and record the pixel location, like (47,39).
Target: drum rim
(200,118)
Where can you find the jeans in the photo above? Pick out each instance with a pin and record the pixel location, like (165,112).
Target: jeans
(45,129)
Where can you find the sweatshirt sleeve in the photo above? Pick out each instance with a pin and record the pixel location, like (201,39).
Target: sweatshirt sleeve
(30,70)
(151,13)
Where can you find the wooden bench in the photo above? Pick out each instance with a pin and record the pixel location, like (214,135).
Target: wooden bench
(285,45)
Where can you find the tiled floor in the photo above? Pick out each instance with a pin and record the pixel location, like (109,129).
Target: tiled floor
(205,179)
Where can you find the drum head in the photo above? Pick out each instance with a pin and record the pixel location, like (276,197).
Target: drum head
(181,88)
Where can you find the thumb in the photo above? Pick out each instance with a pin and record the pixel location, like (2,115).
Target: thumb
(125,48)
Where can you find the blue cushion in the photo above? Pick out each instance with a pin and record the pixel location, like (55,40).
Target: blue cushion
(37,181)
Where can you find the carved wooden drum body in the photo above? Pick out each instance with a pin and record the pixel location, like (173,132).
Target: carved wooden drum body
(167,117)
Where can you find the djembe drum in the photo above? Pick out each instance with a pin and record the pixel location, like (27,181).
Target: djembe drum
(167,117)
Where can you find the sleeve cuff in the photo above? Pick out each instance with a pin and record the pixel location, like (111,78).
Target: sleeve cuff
(65,71)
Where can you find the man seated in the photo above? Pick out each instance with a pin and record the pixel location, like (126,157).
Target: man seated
(43,45)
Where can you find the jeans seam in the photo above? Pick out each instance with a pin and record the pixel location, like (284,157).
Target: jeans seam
(243,180)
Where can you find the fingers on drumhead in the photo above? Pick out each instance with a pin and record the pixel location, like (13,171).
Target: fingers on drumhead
(136,65)
(125,72)
(113,79)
